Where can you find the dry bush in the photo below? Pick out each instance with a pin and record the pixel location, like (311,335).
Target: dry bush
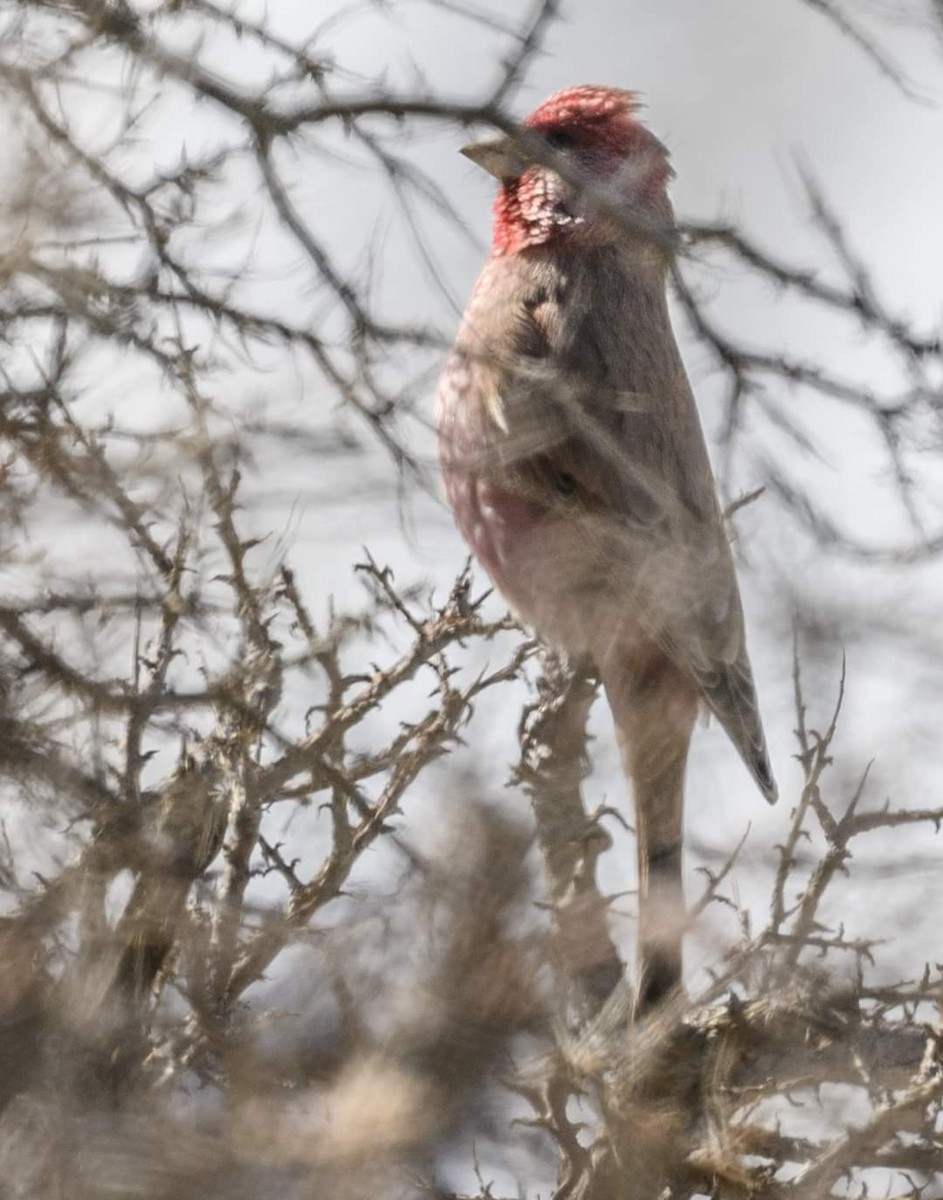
(230,967)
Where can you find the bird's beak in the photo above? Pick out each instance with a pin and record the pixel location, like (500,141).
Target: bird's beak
(500,157)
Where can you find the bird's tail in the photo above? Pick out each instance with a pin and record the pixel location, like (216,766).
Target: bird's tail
(731,696)
(654,715)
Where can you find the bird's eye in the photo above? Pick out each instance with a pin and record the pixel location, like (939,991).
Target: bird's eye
(558,139)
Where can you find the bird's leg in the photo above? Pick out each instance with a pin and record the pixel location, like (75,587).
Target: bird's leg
(654,707)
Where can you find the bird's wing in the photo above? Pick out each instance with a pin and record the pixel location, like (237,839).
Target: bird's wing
(621,427)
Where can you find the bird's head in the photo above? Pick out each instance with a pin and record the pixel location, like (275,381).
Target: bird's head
(602,145)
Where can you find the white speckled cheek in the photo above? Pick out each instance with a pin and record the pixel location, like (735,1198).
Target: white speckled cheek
(546,208)
(537,205)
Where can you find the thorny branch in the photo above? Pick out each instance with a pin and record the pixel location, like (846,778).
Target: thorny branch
(224,893)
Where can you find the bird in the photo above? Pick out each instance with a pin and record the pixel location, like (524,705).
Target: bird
(577,471)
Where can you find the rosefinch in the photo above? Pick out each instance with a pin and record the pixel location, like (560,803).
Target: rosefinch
(577,471)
